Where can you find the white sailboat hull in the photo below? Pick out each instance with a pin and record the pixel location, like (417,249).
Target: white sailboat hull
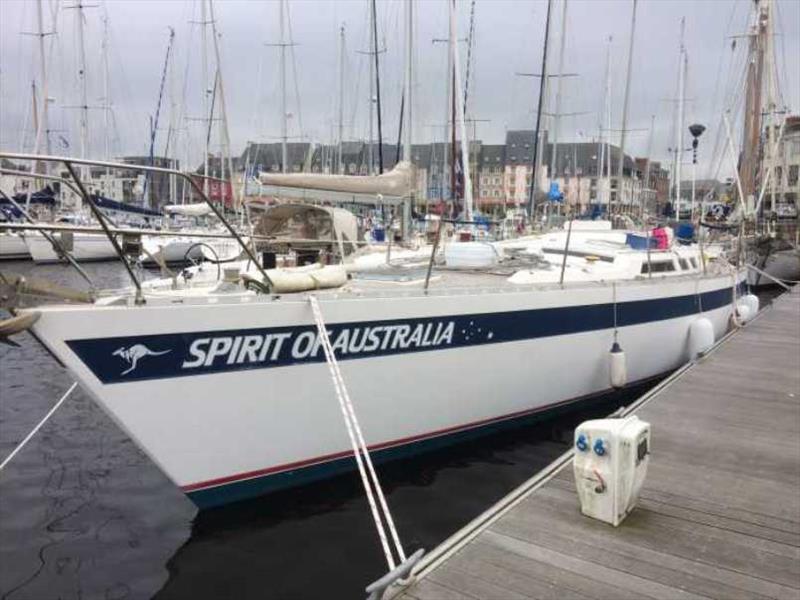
(85,247)
(13,247)
(228,424)
(782,264)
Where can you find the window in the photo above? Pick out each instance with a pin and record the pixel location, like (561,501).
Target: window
(684,263)
(662,266)
(793,174)
(694,262)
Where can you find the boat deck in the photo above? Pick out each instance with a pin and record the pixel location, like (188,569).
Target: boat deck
(719,514)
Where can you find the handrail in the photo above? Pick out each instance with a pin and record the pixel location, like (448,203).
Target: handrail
(101,219)
(68,162)
(27,175)
(56,244)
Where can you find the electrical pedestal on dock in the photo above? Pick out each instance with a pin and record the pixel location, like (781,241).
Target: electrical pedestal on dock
(611,457)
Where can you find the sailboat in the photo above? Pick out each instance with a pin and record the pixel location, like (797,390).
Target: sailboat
(225,387)
(774,249)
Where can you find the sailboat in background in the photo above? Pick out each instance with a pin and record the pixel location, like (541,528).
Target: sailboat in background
(775,253)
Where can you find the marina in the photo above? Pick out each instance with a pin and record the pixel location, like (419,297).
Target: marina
(719,514)
(357,349)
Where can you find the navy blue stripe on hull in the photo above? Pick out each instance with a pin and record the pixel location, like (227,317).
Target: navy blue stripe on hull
(258,486)
(145,357)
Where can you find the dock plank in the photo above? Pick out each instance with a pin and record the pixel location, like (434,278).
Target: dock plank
(719,514)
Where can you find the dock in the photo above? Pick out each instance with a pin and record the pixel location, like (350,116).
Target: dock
(719,513)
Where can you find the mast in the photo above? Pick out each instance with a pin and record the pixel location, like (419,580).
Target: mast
(284,128)
(460,113)
(206,99)
(605,125)
(646,183)
(43,128)
(542,91)
(557,116)
(341,98)
(106,99)
(84,108)
(408,104)
(373,48)
(621,166)
(377,85)
(226,139)
(682,62)
(35,112)
(408,78)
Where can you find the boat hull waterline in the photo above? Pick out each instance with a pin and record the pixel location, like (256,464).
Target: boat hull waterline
(232,400)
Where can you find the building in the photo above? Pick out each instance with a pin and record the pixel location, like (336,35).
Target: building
(784,183)
(500,173)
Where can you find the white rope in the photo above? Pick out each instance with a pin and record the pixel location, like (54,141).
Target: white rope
(358,444)
(39,426)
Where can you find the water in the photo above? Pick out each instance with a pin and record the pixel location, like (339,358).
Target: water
(84,514)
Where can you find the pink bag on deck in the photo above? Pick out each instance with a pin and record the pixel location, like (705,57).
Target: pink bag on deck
(662,239)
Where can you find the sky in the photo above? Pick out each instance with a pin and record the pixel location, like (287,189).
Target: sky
(508,39)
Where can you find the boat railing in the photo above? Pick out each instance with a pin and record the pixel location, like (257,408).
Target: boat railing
(70,163)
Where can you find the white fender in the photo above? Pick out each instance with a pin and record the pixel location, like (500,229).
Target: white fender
(743,311)
(701,337)
(752,301)
(618,371)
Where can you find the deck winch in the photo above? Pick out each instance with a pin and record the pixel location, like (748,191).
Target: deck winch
(610,464)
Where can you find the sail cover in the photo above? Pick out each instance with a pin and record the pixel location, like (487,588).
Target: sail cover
(398,182)
(198,209)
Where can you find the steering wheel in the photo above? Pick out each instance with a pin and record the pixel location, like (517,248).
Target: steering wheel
(195,263)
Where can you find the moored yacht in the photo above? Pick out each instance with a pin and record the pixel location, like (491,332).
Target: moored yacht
(224,385)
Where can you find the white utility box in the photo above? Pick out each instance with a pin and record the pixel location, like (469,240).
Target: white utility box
(610,464)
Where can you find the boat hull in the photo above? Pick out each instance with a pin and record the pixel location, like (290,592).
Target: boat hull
(781,264)
(84,247)
(13,247)
(233,400)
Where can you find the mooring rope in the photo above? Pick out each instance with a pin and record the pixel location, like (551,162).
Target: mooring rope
(38,426)
(360,450)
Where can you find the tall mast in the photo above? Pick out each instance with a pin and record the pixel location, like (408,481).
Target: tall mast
(560,75)
(43,129)
(408,79)
(621,167)
(284,128)
(605,125)
(341,98)
(377,85)
(460,113)
(206,99)
(682,60)
(372,51)
(106,99)
(646,183)
(226,138)
(408,104)
(542,92)
(752,116)
(84,108)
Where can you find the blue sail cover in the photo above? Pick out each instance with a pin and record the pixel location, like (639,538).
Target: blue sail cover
(109,204)
(46,196)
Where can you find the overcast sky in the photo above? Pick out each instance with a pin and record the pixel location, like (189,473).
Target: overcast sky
(508,39)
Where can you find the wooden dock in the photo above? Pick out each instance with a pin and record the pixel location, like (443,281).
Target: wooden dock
(719,514)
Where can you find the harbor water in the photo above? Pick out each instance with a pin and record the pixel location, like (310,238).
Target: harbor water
(84,514)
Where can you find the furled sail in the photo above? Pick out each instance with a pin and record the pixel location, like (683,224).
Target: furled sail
(198,209)
(397,182)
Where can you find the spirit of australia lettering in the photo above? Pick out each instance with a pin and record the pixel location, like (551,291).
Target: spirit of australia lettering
(283,348)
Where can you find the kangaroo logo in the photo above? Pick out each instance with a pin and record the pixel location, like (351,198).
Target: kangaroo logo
(134,353)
